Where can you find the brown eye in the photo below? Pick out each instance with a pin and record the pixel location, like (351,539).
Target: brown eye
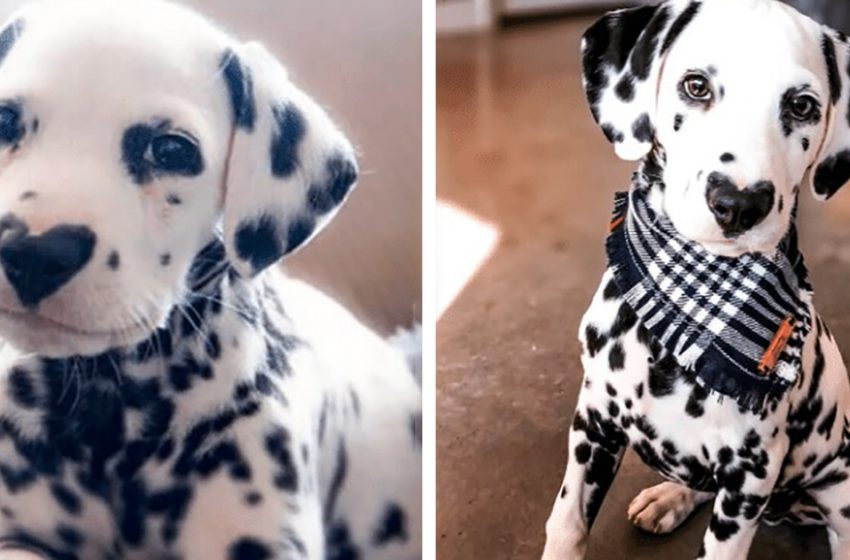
(696,87)
(803,107)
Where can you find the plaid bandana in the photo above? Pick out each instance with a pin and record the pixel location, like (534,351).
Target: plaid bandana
(737,323)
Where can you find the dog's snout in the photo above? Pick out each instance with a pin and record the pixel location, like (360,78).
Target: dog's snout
(738,210)
(38,265)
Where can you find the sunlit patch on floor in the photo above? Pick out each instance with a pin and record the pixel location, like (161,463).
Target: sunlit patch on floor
(464,243)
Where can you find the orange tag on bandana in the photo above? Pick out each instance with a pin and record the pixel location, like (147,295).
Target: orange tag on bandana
(777,345)
(615,223)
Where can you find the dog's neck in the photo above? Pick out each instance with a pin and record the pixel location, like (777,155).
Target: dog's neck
(650,176)
(176,356)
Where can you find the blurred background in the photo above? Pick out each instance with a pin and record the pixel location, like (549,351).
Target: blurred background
(362,62)
(525,182)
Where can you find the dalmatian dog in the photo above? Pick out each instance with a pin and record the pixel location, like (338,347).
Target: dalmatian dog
(755,93)
(165,391)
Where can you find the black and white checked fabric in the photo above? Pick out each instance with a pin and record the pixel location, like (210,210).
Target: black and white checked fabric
(717,315)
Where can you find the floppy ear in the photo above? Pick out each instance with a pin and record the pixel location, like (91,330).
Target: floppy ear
(622,57)
(831,169)
(289,167)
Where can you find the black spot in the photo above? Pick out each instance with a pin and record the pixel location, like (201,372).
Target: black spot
(825,426)
(248,548)
(832,69)
(663,375)
(612,134)
(694,407)
(639,390)
(781,203)
(341,175)
(290,130)
(173,199)
(624,321)
(66,498)
(832,173)
(9,36)
(240,89)
(642,128)
(165,259)
(22,389)
(69,536)
(613,409)
(253,498)
(611,291)
(679,25)
(582,452)
(625,88)
(731,504)
(600,472)
(339,545)
(752,439)
(12,129)
(642,424)
(727,157)
(612,392)
(723,529)
(258,241)
(393,526)
(212,346)
(563,491)
(339,474)
(805,142)
(278,447)
(299,230)
(678,121)
(594,340)
(27,195)
(616,357)
(114,260)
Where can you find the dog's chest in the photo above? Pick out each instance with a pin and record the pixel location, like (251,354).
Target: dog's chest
(219,412)
(634,390)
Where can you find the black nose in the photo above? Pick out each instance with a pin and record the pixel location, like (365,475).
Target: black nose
(737,210)
(38,265)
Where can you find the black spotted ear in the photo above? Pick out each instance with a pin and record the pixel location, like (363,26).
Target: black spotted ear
(289,167)
(622,60)
(831,169)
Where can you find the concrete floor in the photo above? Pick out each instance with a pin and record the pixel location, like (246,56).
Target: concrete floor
(517,147)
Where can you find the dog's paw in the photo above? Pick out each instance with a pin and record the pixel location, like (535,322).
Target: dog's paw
(662,508)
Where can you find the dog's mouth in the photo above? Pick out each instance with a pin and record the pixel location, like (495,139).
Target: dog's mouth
(32,332)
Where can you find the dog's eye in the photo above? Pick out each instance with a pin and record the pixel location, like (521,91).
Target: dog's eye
(10,124)
(803,107)
(697,87)
(176,153)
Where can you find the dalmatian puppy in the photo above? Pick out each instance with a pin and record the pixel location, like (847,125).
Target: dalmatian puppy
(755,93)
(165,392)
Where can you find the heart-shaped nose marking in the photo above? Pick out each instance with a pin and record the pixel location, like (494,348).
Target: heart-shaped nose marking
(38,265)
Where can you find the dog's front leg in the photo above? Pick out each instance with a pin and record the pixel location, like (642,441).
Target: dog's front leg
(745,485)
(596,447)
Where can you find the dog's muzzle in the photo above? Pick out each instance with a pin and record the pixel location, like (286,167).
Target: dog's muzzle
(738,210)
